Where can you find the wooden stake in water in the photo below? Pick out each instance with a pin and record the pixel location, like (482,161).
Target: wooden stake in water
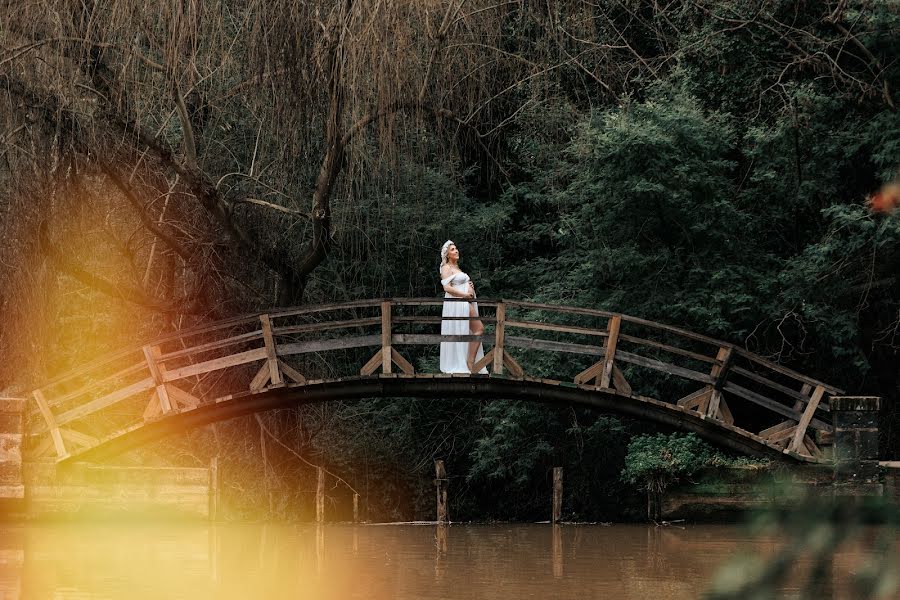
(440,482)
(557,494)
(320,495)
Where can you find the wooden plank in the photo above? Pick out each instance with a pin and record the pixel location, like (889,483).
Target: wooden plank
(591,372)
(612,341)
(372,364)
(676,330)
(430,339)
(216,364)
(108,400)
(765,433)
(320,495)
(782,436)
(619,382)
(809,411)
(590,312)
(385,337)
(76,437)
(184,334)
(514,368)
(692,400)
(725,411)
(777,386)
(499,340)
(718,372)
(666,347)
(183,398)
(723,365)
(261,378)
(401,362)
(326,326)
(785,371)
(52,424)
(292,373)
(192,350)
(271,352)
(59,400)
(556,511)
(88,367)
(811,447)
(440,482)
(422,320)
(772,405)
(557,328)
(715,400)
(153,409)
(320,308)
(698,401)
(486,360)
(151,356)
(486,302)
(551,346)
(325,345)
(650,363)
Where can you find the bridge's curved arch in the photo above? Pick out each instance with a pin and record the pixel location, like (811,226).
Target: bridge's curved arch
(244,365)
(477,387)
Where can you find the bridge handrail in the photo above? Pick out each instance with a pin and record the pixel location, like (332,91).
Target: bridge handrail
(150,363)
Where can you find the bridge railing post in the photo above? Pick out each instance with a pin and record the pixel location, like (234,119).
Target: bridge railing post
(271,351)
(499,335)
(615,323)
(386,336)
(55,433)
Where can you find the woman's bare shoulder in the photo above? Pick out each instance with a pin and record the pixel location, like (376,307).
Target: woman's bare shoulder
(446,272)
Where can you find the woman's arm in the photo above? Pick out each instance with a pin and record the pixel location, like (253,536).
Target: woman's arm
(452,290)
(455,292)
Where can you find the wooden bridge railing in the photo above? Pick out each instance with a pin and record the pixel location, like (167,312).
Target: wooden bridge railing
(591,349)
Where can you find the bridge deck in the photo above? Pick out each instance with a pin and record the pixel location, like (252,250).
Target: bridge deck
(197,376)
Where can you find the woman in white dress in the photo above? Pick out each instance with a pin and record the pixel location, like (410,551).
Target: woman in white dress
(459,357)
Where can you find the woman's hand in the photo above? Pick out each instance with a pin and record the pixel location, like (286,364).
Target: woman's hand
(471,293)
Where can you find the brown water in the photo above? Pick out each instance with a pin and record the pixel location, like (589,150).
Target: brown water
(273,561)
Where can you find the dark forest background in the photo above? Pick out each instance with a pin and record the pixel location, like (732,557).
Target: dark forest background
(699,163)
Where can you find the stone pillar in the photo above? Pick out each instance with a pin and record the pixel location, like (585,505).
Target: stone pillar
(12,485)
(855,439)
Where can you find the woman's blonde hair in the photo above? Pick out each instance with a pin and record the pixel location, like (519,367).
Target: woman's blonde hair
(444,250)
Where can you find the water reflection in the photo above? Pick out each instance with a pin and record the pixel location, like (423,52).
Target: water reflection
(374,562)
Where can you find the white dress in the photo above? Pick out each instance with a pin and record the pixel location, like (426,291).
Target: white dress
(453,354)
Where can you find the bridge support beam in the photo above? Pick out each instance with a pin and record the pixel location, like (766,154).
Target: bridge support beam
(12,485)
(855,439)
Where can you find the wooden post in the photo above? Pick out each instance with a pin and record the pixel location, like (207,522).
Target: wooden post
(799,433)
(386,337)
(320,495)
(720,373)
(151,355)
(214,488)
(271,351)
(557,494)
(355,507)
(500,333)
(615,323)
(440,482)
(55,434)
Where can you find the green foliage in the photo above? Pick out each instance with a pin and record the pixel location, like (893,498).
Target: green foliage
(654,462)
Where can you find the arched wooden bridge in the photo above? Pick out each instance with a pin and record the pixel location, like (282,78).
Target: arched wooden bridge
(726,395)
